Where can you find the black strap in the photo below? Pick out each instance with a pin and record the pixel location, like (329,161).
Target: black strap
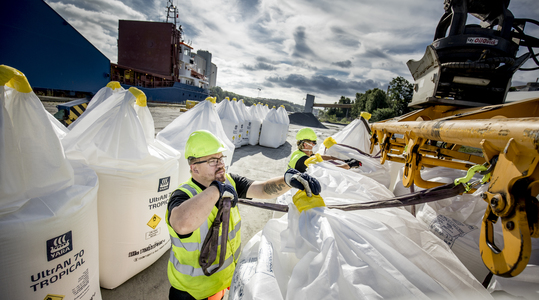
(208,252)
(429,195)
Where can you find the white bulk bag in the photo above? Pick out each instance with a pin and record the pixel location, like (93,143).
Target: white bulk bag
(48,206)
(256,125)
(241,113)
(366,254)
(59,129)
(202,116)
(136,179)
(145,117)
(272,128)
(229,120)
(286,121)
(98,98)
(353,142)
(241,119)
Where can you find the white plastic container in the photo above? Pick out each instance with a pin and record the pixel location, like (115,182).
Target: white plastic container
(246,124)
(203,116)
(285,121)
(256,125)
(48,205)
(230,121)
(136,179)
(272,128)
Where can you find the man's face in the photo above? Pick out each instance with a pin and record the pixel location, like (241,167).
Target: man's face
(209,168)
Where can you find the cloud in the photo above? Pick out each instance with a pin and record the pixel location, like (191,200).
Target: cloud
(301,48)
(325,48)
(343,64)
(323,84)
(260,66)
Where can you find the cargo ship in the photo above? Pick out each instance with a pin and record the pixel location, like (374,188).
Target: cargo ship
(154,57)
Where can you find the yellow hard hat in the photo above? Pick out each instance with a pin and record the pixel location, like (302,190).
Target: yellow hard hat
(201,143)
(306,134)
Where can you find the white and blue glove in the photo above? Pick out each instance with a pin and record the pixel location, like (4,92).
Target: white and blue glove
(302,181)
(226,191)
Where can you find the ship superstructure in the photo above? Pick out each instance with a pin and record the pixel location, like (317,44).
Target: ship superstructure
(153,57)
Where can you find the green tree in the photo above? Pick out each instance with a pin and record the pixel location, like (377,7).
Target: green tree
(359,105)
(376,98)
(400,95)
(382,114)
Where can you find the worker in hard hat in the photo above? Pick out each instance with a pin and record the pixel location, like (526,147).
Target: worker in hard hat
(192,210)
(306,141)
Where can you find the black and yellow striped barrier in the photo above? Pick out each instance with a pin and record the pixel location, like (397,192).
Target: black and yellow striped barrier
(68,112)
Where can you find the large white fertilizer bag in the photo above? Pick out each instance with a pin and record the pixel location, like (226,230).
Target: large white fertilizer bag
(242,114)
(202,116)
(48,205)
(323,253)
(103,94)
(256,125)
(286,121)
(353,141)
(272,128)
(136,179)
(229,120)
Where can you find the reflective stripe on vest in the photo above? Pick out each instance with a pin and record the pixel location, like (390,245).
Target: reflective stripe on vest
(188,276)
(296,155)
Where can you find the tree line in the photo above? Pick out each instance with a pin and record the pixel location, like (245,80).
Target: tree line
(380,104)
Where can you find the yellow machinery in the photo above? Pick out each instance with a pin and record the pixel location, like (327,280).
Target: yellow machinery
(460,89)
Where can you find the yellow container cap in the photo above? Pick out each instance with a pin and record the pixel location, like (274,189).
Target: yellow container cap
(365,115)
(141,97)
(329,142)
(14,79)
(303,202)
(114,85)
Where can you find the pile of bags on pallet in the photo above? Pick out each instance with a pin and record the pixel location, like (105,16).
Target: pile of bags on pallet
(253,125)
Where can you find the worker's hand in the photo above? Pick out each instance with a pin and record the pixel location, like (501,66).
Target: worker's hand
(353,163)
(302,181)
(226,191)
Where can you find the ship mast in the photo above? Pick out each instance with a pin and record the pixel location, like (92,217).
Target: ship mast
(172,13)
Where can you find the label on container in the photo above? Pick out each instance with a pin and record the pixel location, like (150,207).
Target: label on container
(449,229)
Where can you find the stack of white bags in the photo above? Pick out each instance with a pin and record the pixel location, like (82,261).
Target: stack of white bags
(253,125)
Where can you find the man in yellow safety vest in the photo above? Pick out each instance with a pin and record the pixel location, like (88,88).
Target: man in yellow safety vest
(195,206)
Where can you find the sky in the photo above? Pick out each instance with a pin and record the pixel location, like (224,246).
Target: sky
(287,49)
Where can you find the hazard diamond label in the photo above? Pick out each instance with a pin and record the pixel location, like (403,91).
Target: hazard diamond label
(54,297)
(154,221)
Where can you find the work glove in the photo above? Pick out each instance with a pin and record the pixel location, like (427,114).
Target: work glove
(226,191)
(353,163)
(302,181)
